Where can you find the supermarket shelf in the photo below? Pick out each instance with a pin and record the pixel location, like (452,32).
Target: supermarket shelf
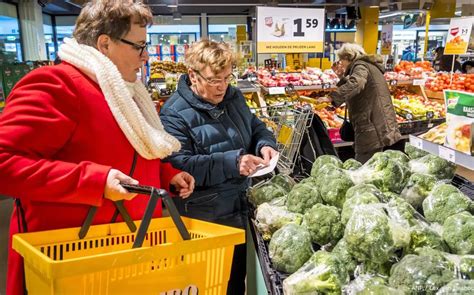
(247,86)
(302,88)
(458,158)
(249,90)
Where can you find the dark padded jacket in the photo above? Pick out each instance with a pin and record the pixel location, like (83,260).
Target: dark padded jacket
(213,137)
(369,103)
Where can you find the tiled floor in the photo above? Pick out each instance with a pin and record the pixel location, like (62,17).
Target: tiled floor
(5,213)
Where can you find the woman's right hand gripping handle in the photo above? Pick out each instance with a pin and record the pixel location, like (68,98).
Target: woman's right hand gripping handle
(113,190)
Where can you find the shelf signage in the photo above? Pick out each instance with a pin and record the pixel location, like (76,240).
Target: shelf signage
(387,37)
(459,34)
(290,30)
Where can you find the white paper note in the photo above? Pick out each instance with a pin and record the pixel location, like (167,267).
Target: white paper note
(262,170)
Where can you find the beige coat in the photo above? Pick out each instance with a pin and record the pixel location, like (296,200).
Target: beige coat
(370,107)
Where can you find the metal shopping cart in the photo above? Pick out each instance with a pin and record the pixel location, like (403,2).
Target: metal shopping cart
(289,123)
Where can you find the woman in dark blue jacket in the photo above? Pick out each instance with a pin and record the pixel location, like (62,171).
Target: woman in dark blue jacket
(222,143)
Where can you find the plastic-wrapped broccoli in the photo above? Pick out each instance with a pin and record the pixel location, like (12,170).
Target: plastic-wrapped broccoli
(324,224)
(402,212)
(283,180)
(433,165)
(466,267)
(457,287)
(380,290)
(309,180)
(370,285)
(269,218)
(423,235)
(333,185)
(364,188)
(290,247)
(374,269)
(368,234)
(445,200)
(386,173)
(418,188)
(351,164)
(358,199)
(340,250)
(420,275)
(302,197)
(398,155)
(387,196)
(323,160)
(265,192)
(413,152)
(458,232)
(324,273)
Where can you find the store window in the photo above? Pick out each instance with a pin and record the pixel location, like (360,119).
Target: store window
(224,28)
(49,37)
(10,38)
(64,27)
(435,39)
(168,38)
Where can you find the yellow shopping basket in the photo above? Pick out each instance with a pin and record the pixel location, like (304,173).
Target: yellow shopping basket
(58,262)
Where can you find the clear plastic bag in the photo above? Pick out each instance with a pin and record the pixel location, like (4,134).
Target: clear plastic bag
(370,284)
(458,232)
(269,218)
(443,201)
(433,165)
(418,188)
(324,224)
(302,197)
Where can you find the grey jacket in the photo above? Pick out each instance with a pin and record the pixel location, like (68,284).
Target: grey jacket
(369,103)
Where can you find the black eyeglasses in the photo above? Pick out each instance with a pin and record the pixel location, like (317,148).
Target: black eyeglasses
(139,47)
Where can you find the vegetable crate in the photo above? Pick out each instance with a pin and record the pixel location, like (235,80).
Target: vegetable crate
(57,262)
(289,124)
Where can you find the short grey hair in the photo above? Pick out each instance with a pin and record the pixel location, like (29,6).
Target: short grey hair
(350,52)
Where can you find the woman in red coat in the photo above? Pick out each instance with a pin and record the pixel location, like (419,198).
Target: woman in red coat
(70,133)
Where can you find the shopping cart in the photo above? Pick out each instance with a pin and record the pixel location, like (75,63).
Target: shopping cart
(171,255)
(289,123)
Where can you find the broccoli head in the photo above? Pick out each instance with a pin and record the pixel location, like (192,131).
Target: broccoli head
(351,164)
(324,224)
(457,287)
(419,275)
(445,200)
(433,165)
(283,180)
(290,247)
(323,160)
(399,210)
(418,188)
(413,152)
(368,234)
(340,250)
(458,232)
(379,290)
(302,197)
(269,218)
(358,199)
(309,180)
(466,267)
(364,188)
(265,193)
(370,285)
(398,155)
(333,191)
(425,236)
(324,273)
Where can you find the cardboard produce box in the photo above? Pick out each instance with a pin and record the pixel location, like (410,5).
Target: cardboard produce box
(460,121)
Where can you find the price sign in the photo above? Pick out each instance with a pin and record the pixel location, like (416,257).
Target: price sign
(393,82)
(416,142)
(276,90)
(289,30)
(459,34)
(419,82)
(447,154)
(326,85)
(387,36)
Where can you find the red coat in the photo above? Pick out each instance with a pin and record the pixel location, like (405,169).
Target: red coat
(58,141)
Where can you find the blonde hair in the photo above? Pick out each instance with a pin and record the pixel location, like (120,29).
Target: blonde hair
(350,52)
(216,55)
(110,17)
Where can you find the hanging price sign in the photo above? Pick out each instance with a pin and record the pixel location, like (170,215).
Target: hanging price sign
(289,30)
(459,34)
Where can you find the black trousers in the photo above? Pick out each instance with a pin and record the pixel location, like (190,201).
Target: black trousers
(238,272)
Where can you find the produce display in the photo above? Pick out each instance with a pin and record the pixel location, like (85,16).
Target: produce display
(442,80)
(407,70)
(391,226)
(307,77)
(410,106)
(159,68)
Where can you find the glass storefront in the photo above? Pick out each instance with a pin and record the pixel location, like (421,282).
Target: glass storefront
(224,28)
(10,38)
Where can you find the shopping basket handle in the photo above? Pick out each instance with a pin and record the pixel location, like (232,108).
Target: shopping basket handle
(155,194)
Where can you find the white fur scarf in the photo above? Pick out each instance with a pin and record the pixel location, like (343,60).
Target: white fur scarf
(133,109)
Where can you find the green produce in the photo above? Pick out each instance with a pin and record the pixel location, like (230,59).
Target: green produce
(323,160)
(340,250)
(302,197)
(309,180)
(418,188)
(457,287)
(351,164)
(358,199)
(413,152)
(445,200)
(333,184)
(283,180)
(466,267)
(425,236)
(324,224)
(387,196)
(368,235)
(364,188)
(398,209)
(380,290)
(265,193)
(458,232)
(370,285)
(269,218)
(324,273)
(290,247)
(398,155)
(433,165)
(419,275)
(370,268)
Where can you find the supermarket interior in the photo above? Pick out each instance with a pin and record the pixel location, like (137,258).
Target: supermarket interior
(360,122)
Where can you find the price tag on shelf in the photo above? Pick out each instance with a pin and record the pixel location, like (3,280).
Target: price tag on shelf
(419,82)
(447,153)
(276,90)
(393,82)
(326,86)
(416,142)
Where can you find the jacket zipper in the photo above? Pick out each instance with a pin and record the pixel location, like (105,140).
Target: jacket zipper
(238,131)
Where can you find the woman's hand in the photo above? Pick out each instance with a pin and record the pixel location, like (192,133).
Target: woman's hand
(267,153)
(338,69)
(184,184)
(248,164)
(113,190)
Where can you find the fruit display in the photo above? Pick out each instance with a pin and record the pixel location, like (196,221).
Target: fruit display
(251,103)
(325,110)
(159,68)
(307,77)
(416,107)
(407,70)
(441,81)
